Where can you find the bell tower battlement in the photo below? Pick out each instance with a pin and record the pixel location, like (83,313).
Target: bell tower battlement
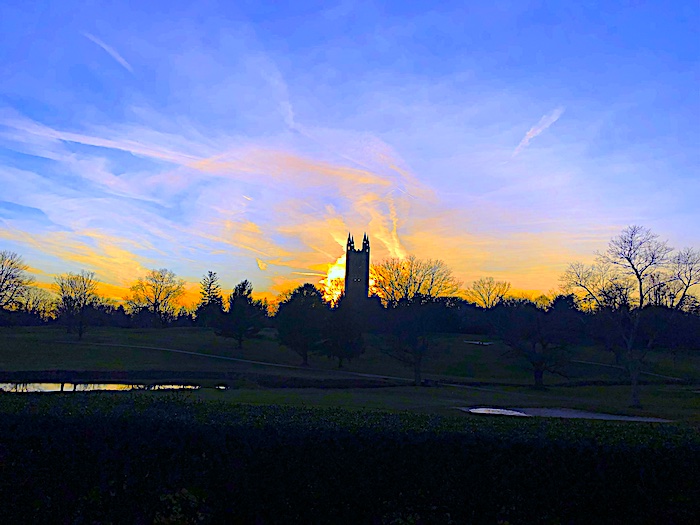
(357,270)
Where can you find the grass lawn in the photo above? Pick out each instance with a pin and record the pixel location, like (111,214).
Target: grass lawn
(666,401)
(50,348)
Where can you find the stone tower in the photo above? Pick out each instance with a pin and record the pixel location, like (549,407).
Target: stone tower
(357,271)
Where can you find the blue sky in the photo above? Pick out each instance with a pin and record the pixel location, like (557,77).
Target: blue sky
(506,138)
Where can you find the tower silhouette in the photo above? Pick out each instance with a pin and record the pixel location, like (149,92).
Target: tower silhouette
(356,271)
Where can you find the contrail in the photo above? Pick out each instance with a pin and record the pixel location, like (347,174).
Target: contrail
(112,52)
(538,128)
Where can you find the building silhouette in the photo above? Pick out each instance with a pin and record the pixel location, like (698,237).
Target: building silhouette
(357,271)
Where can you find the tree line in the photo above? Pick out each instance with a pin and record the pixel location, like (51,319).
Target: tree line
(636,297)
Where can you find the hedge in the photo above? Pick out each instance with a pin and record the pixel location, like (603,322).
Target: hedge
(148,458)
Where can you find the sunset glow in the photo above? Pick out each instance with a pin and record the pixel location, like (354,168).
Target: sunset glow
(507,139)
(333,283)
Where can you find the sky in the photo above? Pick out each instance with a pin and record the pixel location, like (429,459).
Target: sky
(506,138)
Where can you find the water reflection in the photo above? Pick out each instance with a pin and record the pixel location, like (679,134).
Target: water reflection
(172,387)
(568,413)
(498,412)
(86,387)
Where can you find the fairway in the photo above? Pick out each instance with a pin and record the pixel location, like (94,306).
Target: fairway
(659,401)
(482,377)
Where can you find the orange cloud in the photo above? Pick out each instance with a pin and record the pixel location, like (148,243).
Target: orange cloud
(191,296)
(94,251)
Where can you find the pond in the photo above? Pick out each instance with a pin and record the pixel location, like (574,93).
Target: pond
(567,413)
(89,387)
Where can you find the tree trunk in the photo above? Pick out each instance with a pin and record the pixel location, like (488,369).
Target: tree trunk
(539,378)
(634,377)
(81,325)
(617,352)
(417,379)
(633,363)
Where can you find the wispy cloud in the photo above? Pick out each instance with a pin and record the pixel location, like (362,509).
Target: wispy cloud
(111,51)
(255,160)
(37,130)
(109,256)
(295,204)
(538,128)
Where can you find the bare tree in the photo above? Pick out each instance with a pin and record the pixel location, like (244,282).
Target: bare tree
(157,293)
(411,327)
(661,278)
(76,293)
(639,253)
(635,259)
(14,280)
(39,303)
(333,290)
(685,272)
(539,336)
(487,292)
(596,286)
(395,279)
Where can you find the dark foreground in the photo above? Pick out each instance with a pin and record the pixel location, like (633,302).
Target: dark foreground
(150,458)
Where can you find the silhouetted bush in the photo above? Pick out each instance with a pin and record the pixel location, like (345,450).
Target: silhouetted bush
(19,318)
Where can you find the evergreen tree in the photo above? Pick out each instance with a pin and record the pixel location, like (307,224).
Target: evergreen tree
(242,291)
(245,316)
(210,307)
(210,289)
